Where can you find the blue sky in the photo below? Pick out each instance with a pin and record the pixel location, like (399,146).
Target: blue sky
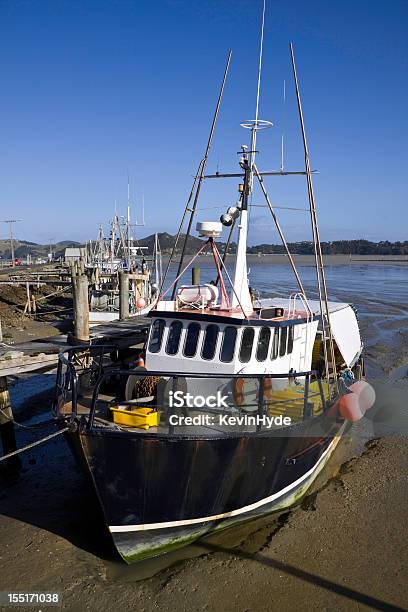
(92,89)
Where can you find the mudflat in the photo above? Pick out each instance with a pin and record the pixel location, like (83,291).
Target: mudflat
(344,547)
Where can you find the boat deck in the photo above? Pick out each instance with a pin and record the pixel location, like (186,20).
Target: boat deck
(285,403)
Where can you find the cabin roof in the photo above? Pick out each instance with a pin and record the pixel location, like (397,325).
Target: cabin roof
(228,318)
(235,317)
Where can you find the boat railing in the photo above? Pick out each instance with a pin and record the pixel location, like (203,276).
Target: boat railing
(74,364)
(298,395)
(292,305)
(296,400)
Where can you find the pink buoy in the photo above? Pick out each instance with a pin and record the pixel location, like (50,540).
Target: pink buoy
(349,407)
(365,393)
(353,406)
(140,303)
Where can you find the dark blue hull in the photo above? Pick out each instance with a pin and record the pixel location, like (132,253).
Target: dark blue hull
(162,492)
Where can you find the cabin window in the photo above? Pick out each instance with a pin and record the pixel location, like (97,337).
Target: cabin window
(210,341)
(247,341)
(263,343)
(173,337)
(275,343)
(291,331)
(282,343)
(190,345)
(228,344)
(156,335)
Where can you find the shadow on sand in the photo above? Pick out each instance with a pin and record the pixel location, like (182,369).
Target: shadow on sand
(52,494)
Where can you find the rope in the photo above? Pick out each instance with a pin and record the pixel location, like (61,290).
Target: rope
(22,450)
(42,424)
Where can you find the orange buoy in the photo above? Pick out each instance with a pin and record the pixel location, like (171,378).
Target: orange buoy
(267,388)
(365,392)
(140,362)
(238,391)
(349,407)
(353,406)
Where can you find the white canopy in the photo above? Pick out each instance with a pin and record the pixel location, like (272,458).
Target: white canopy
(346,332)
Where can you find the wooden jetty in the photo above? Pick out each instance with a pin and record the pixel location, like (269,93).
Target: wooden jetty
(43,354)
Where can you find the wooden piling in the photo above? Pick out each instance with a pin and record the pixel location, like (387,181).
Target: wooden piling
(195,276)
(123,295)
(81,307)
(28,305)
(7,434)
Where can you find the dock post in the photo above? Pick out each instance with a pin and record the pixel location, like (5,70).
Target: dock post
(7,434)
(123,295)
(81,307)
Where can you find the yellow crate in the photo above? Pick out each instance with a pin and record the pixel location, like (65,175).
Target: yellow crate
(143,418)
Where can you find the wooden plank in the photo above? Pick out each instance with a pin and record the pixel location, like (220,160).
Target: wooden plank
(43,353)
(28,363)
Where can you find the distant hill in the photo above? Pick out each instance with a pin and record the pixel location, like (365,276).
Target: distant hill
(23,247)
(337,247)
(166,242)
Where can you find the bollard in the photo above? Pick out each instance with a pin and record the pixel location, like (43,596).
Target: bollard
(123,295)
(81,307)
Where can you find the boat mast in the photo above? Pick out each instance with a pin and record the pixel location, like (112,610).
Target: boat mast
(320,273)
(240,294)
(157,261)
(128,225)
(113,235)
(196,188)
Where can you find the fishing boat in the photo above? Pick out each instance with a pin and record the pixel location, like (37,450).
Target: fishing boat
(120,252)
(234,404)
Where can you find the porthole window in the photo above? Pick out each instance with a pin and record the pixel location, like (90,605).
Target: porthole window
(190,345)
(173,337)
(228,344)
(263,343)
(247,341)
(282,343)
(275,343)
(210,341)
(156,335)
(291,330)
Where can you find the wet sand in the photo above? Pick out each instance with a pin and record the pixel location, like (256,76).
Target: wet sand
(344,547)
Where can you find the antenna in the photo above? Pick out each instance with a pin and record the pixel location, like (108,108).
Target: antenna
(283,125)
(128,188)
(143,209)
(10,224)
(260,61)
(257,124)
